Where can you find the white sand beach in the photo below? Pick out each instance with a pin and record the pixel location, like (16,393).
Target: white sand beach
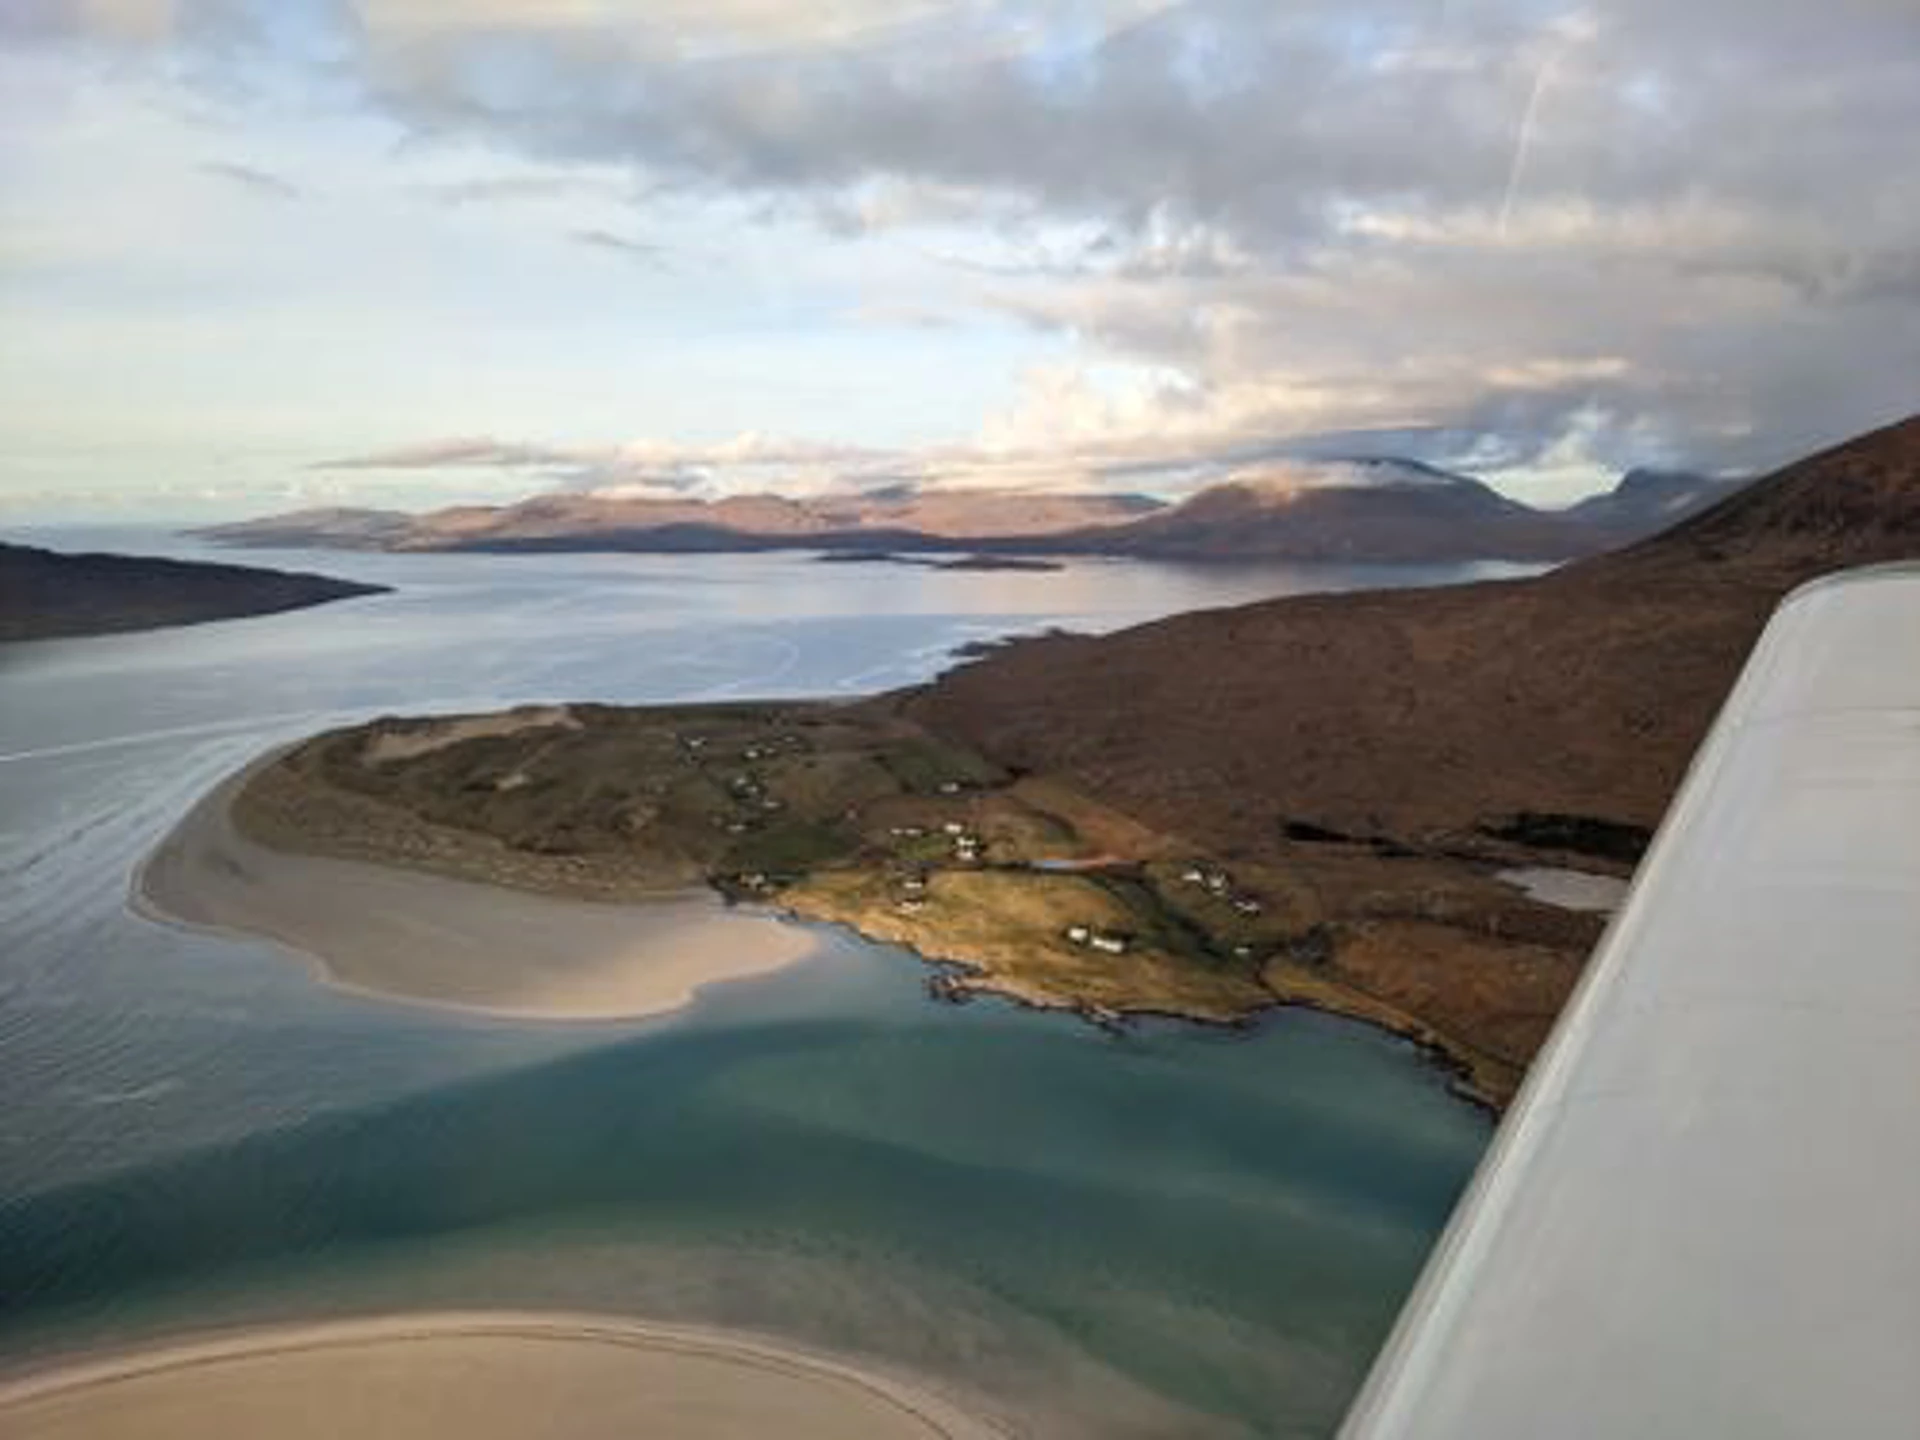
(475,1377)
(412,936)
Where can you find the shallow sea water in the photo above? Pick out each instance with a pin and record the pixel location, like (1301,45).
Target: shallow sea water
(1172,1231)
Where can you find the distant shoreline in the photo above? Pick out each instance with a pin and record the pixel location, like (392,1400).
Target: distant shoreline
(403,934)
(55,595)
(478,1376)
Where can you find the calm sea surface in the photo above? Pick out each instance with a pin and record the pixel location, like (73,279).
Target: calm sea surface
(1176,1231)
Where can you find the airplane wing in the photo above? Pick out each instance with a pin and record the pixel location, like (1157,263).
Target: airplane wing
(1701,1218)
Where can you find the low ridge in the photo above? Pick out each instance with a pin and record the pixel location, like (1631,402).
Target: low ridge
(45,594)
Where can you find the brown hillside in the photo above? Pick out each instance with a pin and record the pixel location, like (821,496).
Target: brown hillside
(1426,715)
(1435,518)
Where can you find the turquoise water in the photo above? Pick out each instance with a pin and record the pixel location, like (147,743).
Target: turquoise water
(1171,1231)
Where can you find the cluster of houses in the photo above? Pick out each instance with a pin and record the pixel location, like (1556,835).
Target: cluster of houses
(695,744)
(1219,883)
(1105,941)
(966,844)
(912,898)
(750,793)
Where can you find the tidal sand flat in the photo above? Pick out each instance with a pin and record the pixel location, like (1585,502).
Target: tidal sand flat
(411,935)
(477,1376)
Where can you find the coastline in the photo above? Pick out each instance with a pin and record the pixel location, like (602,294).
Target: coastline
(391,906)
(478,1375)
(957,975)
(407,935)
(1475,1077)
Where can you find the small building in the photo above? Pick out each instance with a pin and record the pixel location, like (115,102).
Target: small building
(1246,906)
(1079,934)
(954,827)
(1109,944)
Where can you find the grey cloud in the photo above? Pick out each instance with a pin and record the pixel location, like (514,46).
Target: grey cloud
(621,245)
(1641,223)
(1297,119)
(38,21)
(519,187)
(1225,187)
(256,181)
(462,450)
(1261,119)
(522,189)
(627,479)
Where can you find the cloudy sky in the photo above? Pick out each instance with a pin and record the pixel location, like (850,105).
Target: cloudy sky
(256,253)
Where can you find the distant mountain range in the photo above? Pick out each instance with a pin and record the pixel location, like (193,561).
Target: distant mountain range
(1360,510)
(44,594)
(896,518)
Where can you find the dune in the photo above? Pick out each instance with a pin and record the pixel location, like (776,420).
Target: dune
(475,1376)
(408,935)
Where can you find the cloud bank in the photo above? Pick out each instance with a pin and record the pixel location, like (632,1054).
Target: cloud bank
(1510,233)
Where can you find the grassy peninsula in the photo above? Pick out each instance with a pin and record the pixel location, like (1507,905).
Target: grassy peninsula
(855,815)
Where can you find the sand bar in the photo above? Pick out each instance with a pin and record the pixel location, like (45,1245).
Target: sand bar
(407,935)
(476,1377)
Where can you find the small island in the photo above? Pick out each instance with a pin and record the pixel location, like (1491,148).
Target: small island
(748,815)
(1027,563)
